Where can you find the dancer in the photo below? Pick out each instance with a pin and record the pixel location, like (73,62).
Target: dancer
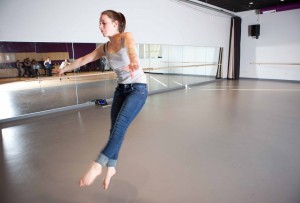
(64,64)
(130,94)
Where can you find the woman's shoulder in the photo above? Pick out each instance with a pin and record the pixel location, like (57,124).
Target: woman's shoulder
(127,38)
(126,35)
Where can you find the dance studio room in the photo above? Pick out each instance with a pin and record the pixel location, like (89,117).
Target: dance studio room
(161,101)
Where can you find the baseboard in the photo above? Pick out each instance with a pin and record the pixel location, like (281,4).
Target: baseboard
(180,74)
(275,80)
(9,121)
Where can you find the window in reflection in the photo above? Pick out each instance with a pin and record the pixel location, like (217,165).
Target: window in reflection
(170,66)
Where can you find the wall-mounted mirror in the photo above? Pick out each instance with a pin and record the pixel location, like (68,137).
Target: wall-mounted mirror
(94,80)
(170,66)
(27,85)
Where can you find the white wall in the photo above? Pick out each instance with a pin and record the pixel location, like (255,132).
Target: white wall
(279,42)
(153,22)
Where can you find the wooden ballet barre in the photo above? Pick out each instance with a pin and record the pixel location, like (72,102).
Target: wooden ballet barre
(110,73)
(73,76)
(289,64)
(181,62)
(174,67)
(88,75)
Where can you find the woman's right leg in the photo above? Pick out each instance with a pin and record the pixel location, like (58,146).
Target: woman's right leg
(96,167)
(115,109)
(117,104)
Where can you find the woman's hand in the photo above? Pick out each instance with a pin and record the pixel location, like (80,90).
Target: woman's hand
(132,67)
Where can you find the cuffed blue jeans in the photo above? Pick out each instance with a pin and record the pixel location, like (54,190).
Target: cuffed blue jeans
(127,103)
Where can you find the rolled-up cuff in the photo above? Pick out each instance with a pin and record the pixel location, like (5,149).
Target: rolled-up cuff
(102,160)
(105,161)
(112,163)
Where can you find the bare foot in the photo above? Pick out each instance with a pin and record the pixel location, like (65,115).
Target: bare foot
(91,175)
(111,171)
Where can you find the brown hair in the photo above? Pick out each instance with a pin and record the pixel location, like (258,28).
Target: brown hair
(118,17)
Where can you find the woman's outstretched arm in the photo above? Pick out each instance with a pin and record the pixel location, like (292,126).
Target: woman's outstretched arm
(93,56)
(131,50)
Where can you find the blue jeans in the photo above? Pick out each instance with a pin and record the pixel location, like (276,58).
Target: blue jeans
(127,103)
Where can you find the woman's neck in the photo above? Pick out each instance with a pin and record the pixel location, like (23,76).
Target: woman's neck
(115,38)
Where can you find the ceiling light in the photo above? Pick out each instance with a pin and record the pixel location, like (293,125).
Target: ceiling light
(251,3)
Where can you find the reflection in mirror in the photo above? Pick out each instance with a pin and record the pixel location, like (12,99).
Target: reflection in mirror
(29,86)
(170,66)
(26,84)
(94,80)
(57,92)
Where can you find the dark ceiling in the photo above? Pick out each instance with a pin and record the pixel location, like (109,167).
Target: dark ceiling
(244,5)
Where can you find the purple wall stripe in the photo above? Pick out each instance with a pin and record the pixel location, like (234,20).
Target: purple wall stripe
(81,49)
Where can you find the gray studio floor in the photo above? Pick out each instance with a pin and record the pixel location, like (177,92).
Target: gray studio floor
(223,142)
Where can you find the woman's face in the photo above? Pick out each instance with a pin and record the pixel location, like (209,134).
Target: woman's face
(107,26)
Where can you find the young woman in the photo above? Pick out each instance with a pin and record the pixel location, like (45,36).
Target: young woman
(130,94)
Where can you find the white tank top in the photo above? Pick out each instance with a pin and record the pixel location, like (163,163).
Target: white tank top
(118,61)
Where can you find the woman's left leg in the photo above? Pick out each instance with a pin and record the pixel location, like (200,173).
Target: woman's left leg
(134,100)
(122,116)
(96,167)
